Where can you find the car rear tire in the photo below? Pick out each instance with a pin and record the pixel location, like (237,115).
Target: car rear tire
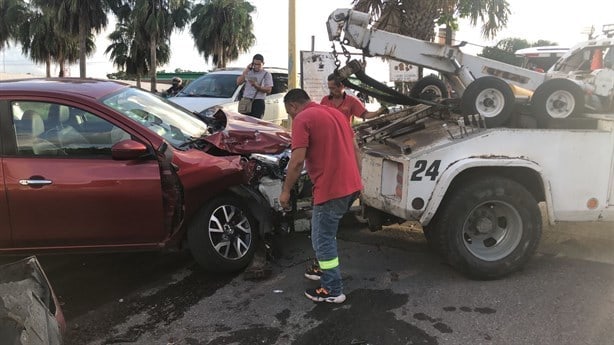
(490,97)
(429,88)
(488,227)
(556,99)
(222,237)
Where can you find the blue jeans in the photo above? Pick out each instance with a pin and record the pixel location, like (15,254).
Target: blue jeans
(324,224)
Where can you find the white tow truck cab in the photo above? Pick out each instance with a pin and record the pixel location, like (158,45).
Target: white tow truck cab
(473,184)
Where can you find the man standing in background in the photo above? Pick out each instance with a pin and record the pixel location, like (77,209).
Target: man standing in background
(349,105)
(258,83)
(177,86)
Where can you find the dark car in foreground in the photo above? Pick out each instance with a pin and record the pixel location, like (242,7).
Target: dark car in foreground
(98,165)
(29,310)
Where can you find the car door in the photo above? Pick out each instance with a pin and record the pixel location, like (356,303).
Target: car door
(5,229)
(64,189)
(5,225)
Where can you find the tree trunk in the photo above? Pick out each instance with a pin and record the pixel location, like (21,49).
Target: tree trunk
(138,79)
(62,66)
(48,66)
(448,35)
(153,61)
(82,46)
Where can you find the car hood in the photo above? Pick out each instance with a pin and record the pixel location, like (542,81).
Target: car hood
(198,104)
(241,134)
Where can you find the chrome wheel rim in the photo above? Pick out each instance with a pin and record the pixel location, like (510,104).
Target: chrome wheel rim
(230,232)
(560,104)
(490,102)
(492,231)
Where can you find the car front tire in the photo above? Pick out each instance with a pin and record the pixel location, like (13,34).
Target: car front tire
(490,97)
(222,237)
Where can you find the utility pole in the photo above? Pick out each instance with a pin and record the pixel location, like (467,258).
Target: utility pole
(292,75)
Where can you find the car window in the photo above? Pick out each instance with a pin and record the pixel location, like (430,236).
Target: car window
(578,61)
(217,85)
(51,129)
(158,115)
(280,83)
(608,58)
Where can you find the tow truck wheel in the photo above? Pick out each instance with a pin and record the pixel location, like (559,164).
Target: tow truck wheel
(490,97)
(222,237)
(556,99)
(429,88)
(489,227)
(433,239)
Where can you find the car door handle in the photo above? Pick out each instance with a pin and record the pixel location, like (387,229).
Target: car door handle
(34,182)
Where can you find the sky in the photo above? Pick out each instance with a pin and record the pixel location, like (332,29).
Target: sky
(552,20)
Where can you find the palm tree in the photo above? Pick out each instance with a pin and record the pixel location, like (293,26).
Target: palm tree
(417,18)
(223,29)
(70,51)
(44,41)
(129,51)
(158,19)
(12,14)
(82,17)
(39,39)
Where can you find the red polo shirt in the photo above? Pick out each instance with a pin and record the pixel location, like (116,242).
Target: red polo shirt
(330,158)
(350,106)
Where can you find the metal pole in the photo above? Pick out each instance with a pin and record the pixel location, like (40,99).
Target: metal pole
(292,75)
(313,43)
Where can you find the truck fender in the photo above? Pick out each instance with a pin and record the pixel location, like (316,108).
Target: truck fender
(457,167)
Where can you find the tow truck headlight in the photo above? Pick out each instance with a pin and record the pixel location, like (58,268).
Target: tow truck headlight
(392,179)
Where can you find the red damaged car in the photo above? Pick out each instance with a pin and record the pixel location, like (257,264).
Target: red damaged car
(98,165)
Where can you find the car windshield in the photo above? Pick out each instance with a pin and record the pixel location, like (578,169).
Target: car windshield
(211,85)
(156,114)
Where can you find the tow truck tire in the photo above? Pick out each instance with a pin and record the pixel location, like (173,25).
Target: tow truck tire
(556,99)
(429,88)
(222,237)
(433,239)
(489,227)
(491,97)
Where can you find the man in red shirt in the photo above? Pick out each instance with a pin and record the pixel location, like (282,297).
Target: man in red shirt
(323,139)
(349,105)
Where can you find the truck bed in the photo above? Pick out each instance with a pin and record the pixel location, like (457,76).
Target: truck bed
(410,131)
(573,166)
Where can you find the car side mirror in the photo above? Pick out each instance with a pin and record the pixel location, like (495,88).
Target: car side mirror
(128,150)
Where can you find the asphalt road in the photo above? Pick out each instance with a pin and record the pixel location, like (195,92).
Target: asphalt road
(398,293)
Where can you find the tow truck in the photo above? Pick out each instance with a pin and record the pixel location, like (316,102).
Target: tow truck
(476,183)
(492,88)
